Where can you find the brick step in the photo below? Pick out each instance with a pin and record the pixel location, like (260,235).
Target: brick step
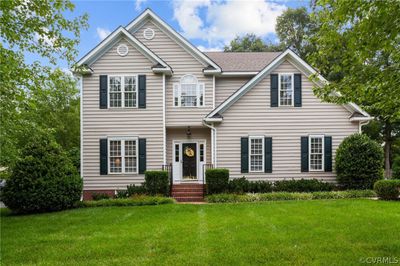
(188,186)
(187,189)
(187,194)
(189,199)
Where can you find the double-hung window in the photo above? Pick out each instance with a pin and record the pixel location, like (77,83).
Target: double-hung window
(286,89)
(316,153)
(256,154)
(123,155)
(122,91)
(189,92)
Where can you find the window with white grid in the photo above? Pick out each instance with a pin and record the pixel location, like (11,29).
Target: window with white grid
(123,156)
(115,156)
(316,151)
(122,91)
(130,156)
(188,92)
(285,89)
(256,154)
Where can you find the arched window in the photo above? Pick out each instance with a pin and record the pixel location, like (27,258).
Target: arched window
(189,92)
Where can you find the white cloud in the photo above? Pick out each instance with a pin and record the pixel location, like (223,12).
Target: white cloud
(43,38)
(219,22)
(210,49)
(103,33)
(138,4)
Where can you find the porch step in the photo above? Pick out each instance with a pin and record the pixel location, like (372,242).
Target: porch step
(188,192)
(189,199)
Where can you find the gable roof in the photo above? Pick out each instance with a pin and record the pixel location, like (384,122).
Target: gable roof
(190,48)
(242,61)
(297,61)
(112,39)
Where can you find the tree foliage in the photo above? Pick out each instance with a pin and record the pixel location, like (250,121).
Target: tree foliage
(35,96)
(359,52)
(295,29)
(251,43)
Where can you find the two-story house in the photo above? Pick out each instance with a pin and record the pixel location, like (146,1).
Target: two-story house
(151,99)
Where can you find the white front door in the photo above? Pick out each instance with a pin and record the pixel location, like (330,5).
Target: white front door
(189,157)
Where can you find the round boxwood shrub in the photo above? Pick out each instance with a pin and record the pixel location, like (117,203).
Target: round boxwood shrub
(387,189)
(359,162)
(43,179)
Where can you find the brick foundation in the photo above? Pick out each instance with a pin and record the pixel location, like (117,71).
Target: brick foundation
(87,194)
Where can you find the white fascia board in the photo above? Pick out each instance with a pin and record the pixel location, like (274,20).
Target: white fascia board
(210,119)
(238,74)
(105,44)
(176,36)
(369,118)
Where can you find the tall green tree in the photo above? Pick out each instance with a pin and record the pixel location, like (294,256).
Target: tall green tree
(251,43)
(34,97)
(359,50)
(295,28)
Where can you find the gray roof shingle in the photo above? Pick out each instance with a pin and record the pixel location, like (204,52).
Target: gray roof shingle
(242,61)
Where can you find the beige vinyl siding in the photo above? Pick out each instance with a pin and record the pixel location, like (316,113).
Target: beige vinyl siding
(182,63)
(180,134)
(101,123)
(252,115)
(226,86)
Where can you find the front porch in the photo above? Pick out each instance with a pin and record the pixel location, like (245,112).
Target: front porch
(188,156)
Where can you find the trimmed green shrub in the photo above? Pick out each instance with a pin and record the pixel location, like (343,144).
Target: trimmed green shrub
(302,185)
(100,196)
(239,185)
(156,183)
(242,185)
(359,162)
(133,201)
(217,180)
(43,179)
(260,187)
(396,167)
(387,189)
(274,196)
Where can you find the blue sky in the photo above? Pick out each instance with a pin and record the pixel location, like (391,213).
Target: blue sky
(208,24)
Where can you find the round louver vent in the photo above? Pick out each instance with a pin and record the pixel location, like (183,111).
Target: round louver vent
(148,34)
(122,50)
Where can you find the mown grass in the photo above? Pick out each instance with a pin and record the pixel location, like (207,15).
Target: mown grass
(328,232)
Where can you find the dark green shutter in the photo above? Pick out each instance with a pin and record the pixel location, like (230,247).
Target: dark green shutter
(244,155)
(103,157)
(103,91)
(297,90)
(142,91)
(268,155)
(142,156)
(304,154)
(274,90)
(328,153)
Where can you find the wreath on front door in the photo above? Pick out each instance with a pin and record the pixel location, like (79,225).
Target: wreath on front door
(189,152)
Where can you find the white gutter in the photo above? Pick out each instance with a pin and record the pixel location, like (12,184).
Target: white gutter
(163,123)
(213,143)
(361,124)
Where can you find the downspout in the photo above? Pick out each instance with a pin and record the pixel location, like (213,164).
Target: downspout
(361,124)
(163,124)
(213,142)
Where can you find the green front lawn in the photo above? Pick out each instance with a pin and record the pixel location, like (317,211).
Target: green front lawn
(340,232)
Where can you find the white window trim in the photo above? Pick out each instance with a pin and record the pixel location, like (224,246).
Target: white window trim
(323,153)
(279,89)
(180,93)
(122,76)
(122,139)
(263,153)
